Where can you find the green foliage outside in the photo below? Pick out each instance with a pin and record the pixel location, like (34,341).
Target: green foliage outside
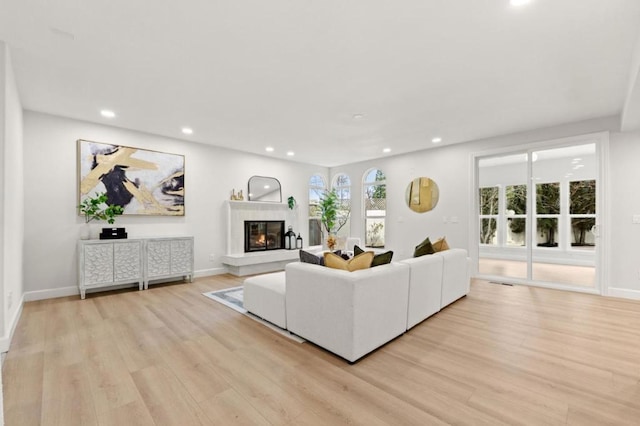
(548,202)
(517,202)
(582,196)
(488,206)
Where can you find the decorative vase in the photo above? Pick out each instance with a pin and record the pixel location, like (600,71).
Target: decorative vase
(331,242)
(85,231)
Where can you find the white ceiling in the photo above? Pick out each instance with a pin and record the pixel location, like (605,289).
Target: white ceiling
(291,74)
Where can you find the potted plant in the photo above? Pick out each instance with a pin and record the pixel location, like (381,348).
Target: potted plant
(96,208)
(291,202)
(334,214)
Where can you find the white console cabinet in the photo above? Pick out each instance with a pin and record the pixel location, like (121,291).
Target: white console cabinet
(168,258)
(107,263)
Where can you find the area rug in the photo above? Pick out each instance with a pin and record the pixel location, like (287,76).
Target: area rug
(232,298)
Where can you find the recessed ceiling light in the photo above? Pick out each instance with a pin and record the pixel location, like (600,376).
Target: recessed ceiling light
(386,150)
(107,113)
(436,140)
(267,187)
(358,116)
(269,149)
(187,131)
(291,153)
(519,2)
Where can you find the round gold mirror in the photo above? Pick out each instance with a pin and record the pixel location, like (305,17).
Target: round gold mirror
(422,194)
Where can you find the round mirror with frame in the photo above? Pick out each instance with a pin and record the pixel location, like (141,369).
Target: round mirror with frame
(422,194)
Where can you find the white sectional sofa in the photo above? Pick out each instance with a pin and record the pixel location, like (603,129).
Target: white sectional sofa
(353,313)
(347,313)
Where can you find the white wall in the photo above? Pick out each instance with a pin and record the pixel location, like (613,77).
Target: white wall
(51,223)
(11,200)
(624,190)
(451,168)
(51,220)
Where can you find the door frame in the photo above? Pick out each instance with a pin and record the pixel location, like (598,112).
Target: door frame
(603,247)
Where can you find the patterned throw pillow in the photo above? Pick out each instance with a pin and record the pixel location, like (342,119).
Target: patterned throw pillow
(378,259)
(361,261)
(440,244)
(423,248)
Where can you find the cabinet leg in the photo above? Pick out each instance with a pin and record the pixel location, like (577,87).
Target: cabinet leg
(82,294)
(140,286)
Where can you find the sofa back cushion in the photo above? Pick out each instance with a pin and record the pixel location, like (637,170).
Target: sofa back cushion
(361,261)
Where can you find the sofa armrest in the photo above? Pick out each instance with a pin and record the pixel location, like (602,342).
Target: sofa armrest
(347,313)
(455,275)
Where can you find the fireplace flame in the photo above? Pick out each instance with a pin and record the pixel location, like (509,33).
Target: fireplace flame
(261,240)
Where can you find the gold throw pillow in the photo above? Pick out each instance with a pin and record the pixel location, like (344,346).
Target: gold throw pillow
(361,261)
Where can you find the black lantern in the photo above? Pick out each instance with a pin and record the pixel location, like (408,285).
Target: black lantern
(299,242)
(290,239)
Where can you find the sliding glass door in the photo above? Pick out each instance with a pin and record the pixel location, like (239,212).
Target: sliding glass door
(537,216)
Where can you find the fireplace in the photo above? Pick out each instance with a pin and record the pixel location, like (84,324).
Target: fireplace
(262,235)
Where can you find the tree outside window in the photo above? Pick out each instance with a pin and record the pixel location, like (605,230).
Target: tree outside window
(516,205)
(548,211)
(317,187)
(582,210)
(375,207)
(342,189)
(488,214)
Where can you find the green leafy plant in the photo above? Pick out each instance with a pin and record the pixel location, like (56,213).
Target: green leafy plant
(291,202)
(334,214)
(92,209)
(329,205)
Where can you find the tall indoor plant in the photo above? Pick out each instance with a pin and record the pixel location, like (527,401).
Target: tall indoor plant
(334,214)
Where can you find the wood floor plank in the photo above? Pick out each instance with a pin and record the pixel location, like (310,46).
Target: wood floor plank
(169,355)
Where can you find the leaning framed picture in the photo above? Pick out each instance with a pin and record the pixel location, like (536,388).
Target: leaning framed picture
(141,181)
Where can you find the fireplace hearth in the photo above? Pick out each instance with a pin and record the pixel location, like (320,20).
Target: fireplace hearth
(263,235)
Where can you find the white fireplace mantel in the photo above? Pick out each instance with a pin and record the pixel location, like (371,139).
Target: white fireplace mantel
(236,260)
(240,211)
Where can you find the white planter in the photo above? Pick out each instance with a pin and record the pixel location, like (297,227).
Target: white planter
(85,231)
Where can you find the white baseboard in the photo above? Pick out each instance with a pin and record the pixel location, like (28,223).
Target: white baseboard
(209,272)
(51,293)
(624,293)
(5,341)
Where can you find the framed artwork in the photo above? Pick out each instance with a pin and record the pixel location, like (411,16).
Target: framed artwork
(141,181)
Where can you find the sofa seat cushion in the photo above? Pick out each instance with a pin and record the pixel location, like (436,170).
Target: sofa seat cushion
(264,296)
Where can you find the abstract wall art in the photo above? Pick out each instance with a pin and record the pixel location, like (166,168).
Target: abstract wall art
(143,182)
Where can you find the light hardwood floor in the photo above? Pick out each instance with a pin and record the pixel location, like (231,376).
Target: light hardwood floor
(170,356)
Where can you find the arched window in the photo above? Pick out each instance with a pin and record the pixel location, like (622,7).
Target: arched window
(375,207)
(342,187)
(317,187)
